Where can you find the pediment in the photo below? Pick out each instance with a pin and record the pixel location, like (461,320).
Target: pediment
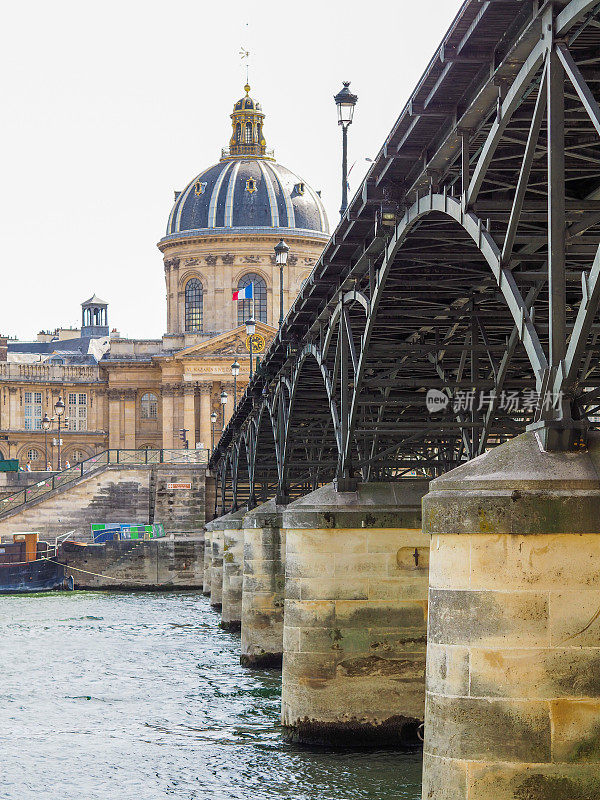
(230,343)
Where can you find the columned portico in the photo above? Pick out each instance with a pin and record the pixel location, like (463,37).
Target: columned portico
(205,411)
(189,412)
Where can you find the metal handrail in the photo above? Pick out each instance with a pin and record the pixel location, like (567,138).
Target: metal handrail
(94,463)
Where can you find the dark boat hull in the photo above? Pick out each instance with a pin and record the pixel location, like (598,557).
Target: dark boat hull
(33,576)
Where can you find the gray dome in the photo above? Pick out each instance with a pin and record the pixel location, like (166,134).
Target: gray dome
(247,193)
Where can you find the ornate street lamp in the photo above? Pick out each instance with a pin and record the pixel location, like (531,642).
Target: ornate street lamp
(235,371)
(345,102)
(59,410)
(223,404)
(281,257)
(213,419)
(46,425)
(250,331)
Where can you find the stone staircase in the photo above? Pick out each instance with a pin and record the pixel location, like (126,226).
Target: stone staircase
(112,493)
(134,486)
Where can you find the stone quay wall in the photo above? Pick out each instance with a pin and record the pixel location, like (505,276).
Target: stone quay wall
(135,564)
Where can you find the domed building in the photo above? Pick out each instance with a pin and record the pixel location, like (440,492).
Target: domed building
(223,227)
(220,236)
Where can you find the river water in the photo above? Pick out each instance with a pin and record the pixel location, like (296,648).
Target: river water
(142,696)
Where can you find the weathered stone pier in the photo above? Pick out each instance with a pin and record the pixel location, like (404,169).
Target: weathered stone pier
(263,586)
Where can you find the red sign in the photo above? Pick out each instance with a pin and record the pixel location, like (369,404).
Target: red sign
(179,486)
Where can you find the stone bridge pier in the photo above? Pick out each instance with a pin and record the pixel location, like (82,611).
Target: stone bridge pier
(356,577)
(207,559)
(233,556)
(263,586)
(513,654)
(224,530)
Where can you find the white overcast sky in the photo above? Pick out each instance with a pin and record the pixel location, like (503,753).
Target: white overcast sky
(108,107)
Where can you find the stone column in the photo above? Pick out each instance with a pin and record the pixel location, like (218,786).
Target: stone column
(207,560)
(205,409)
(171,280)
(167,417)
(356,567)
(513,657)
(129,396)
(13,400)
(263,586)
(229,406)
(189,414)
(95,421)
(114,419)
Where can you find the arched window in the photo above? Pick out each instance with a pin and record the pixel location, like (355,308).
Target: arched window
(260,299)
(248,133)
(149,406)
(193,305)
(77,456)
(33,455)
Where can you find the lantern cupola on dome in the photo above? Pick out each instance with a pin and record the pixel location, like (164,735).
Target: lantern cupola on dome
(247,137)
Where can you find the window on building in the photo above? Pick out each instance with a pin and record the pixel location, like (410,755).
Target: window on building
(77,411)
(248,133)
(193,305)
(33,454)
(260,299)
(33,411)
(77,456)
(149,406)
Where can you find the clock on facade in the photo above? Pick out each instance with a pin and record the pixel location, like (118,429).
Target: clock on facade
(258,343)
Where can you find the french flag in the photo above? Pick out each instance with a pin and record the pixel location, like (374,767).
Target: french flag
(244,294)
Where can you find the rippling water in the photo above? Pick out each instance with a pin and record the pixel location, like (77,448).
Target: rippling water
(141,696)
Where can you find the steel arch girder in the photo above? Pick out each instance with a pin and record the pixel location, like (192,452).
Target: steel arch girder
(307,351)
(473,226)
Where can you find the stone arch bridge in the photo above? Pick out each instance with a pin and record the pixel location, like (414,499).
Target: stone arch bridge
(454,314)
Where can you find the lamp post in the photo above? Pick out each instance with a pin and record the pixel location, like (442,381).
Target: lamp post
(59,410)
(281,257)
(213,419)
(235,371)
(46,423)
(250,331)
(223,404)
(345,102)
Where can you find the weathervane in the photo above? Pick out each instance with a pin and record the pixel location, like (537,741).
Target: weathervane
(245,56)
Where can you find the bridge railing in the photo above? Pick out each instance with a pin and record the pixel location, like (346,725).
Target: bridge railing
(90,465)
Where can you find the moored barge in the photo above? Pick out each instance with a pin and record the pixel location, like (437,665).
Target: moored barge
(28,565)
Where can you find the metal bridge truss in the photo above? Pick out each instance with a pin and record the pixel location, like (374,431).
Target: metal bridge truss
(467,263)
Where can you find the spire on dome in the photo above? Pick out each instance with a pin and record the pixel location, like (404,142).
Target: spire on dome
(247,138)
